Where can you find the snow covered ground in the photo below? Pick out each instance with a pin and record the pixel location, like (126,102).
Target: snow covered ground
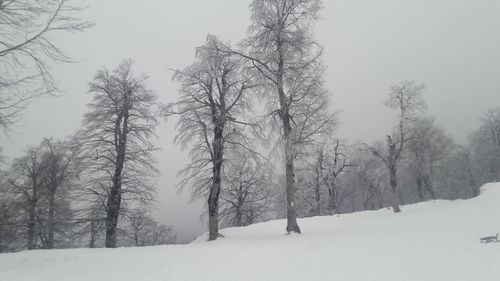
(427,241)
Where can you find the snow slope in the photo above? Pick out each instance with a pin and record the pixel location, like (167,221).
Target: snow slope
(427,241)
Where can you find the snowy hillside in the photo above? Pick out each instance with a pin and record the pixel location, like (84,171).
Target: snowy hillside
(427,241)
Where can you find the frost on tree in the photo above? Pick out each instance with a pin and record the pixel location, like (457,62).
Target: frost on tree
(287,60)
(213,97)
(116,139)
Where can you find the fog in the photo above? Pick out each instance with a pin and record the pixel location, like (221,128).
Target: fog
(450,45)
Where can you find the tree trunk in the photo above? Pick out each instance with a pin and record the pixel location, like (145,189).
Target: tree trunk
(31,224)
(394,191)
(92,234)
(291,214)
(113,205)
(51,222)
(331,200)
(430,187)
(420,190)
(32,201)
(115,194)
(239,215)
(317,193)
(213,199)
(112,213)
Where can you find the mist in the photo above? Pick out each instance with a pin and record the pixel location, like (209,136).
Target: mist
(448,45)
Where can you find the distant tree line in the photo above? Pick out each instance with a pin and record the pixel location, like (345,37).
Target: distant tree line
(96,188)
(258,125)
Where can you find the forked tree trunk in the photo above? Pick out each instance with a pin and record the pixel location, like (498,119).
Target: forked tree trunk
(394,191)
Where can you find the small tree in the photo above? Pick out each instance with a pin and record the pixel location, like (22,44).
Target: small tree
(336,164)
(116,140)
(322,178)
(143,230)
(246,196)
(213,97)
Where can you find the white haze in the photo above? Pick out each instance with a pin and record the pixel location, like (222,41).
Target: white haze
(451,45)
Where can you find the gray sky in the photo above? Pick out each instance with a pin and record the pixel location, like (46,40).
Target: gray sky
(453,46)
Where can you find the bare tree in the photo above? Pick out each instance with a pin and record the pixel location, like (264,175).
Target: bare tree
(337,162)
(61,165)
(246,196)
(281,50)
(456,178)
(143,230)
(321,179)
(40,182)
(11,222)
(428,147)
(27,179)
(213,97)
(27,48)
(116,141)
(485,145)
(318,170)
(366,179)
(406,98)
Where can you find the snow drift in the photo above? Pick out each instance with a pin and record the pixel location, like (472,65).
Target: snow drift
(435,240)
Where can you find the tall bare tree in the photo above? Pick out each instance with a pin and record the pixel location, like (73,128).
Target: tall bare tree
(116,138)
(27,47)
(282,51)
(406,97)
(214,94)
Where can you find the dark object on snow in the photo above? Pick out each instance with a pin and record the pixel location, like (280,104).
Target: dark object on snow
(489,239)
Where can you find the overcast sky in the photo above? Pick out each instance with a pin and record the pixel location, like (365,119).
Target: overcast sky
(453,46)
